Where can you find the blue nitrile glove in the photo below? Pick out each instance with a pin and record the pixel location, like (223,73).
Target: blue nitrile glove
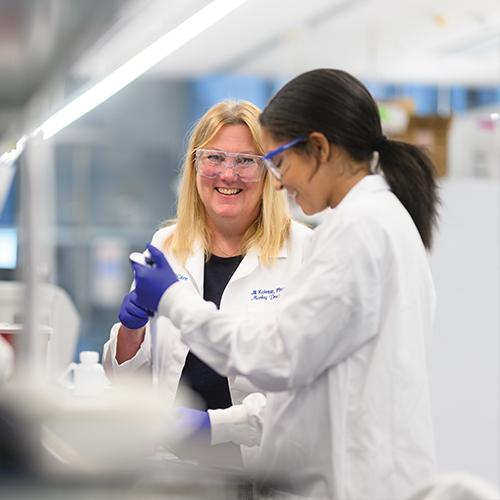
(192,427)
(151,282)
(131,314)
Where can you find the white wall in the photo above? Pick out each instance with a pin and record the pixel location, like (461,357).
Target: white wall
(465,362)
(474,143)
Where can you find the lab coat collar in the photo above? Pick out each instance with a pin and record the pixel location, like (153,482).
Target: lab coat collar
(372,182)
(283,253)
(248,265)
(251,261)
(195,265)
(369,183)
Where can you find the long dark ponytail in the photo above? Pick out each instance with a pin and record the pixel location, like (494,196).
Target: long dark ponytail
(338,105)
(412,178)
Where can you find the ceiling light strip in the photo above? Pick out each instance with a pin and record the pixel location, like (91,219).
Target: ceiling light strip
(138,65)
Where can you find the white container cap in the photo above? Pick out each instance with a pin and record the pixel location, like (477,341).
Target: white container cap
(89,357)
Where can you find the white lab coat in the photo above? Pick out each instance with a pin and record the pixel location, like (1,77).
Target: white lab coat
(253,291)
(347,357)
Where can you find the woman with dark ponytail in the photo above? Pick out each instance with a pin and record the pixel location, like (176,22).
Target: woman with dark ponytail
(341,108)
(347,356)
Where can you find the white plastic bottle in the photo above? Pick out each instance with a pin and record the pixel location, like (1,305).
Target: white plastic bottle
(89,375)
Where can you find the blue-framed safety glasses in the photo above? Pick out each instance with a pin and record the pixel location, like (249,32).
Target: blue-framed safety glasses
(277,169)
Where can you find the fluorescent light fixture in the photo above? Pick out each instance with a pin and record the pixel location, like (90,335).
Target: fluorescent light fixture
(9,157)
(138,65)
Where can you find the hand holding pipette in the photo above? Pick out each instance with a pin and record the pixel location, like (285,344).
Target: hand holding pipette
(131,314)
(143,263)
(153,275)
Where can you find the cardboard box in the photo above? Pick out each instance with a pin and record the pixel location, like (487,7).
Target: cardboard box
(431,132)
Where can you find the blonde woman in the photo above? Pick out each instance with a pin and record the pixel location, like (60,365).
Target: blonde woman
(235,244)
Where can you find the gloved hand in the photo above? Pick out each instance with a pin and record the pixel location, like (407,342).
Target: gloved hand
(190,427)
(151,282)
(131,314)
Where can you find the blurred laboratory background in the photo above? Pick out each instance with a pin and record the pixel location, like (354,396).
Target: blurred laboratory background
(80,191)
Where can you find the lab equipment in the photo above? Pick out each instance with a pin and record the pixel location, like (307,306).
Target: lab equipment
(89,377)
(13,332)
(143,261)
(142,258)
(6,360)
(155,282)
(56,309)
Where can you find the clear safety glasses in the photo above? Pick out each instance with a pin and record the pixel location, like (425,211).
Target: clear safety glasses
(278,168)
(248,168)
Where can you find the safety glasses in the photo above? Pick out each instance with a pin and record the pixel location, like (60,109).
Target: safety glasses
(277,169)
(211,164)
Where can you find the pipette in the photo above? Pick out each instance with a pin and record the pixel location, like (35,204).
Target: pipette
(145,259)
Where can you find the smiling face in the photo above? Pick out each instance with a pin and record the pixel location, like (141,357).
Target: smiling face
(318,177)
(229,201)
(300,177)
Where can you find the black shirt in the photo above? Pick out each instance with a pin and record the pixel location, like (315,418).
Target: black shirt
(208,384)
(212,388)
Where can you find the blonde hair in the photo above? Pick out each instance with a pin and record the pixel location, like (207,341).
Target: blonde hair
(269,230)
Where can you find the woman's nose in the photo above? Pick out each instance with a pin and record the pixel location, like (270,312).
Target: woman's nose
(228,174)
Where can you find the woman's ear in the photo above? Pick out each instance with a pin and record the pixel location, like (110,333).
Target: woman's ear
(320,145)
